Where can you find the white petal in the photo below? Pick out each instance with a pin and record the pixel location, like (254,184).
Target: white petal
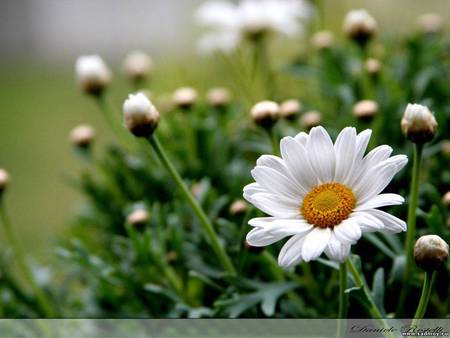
(274,205)
(253,188)
(362,140)
(315,243)
(281,227)
(391,223)
(345,148)
(348,232)
(260,237)
(291,252)
(373,158)
(276,183)
(337,251)
(367,222)
(381,200)
(301,138)
(296,159)
(321,154)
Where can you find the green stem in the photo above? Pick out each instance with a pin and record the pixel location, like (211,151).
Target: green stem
(371,306)
(424,297)
(411,231)
(343,299)
(41,297)
(204,221)
(274,140)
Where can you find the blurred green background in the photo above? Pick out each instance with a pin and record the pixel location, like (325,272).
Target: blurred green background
(40,102)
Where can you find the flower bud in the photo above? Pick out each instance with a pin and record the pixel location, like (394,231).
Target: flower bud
(82,136)
(418,123)
(445,147)
(185,97)
(140,116)
(265,113)
(430,252)
(289,109)
(372,66)
(430,23)
(311,119)
(365,110)
(446,199)
(4,180)
(360,26)
(137,65)
(238,207)
(93,74)
(138,218)
(218,97)
(322,40)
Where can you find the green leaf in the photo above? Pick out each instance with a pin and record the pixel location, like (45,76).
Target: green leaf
(398,267)
(372,238)
(378,289)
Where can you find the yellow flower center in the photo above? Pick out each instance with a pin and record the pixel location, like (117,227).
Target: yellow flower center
(328,205)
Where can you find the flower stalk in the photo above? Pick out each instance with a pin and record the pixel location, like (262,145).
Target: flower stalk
(204,221)
(41,297)
(343,299)
(411,221)
(424,297)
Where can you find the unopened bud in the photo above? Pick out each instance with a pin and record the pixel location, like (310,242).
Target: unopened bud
(311,119)
(445,147)
(446,199)
(4,180)
(218,97)
(93,74)
(238,207)
(289,109)
(137,65)
(430,252)
(365,110)
(82,136)
(185,97)
(372,66)
(197,189)
(138,218)
(265,113)
(418,123)
(360,26)
(140,116)
(430,23)
(322,40)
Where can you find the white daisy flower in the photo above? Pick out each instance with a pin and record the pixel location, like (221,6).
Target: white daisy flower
(230,23)
(322,194)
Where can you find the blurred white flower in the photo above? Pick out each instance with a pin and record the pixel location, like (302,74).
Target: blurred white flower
(322,194)
(184,97)
(137,65)
(82,136)
(360,25)
(230,23)
(140,116)
(92,73)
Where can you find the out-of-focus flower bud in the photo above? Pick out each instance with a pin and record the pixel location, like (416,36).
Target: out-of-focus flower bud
(311,119)
(4,180)
(218,97)
(197,189)
(446,199)
(93,74)
(140,116)
(138,218)
(372,66)
(185,97)
(265,113)
(322,40)
(430,252)
(360,26)
(238,207)
(137,65)
(430,23)
(418,123)
(445,147)
(365,110)
(82,136)
(289,109)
